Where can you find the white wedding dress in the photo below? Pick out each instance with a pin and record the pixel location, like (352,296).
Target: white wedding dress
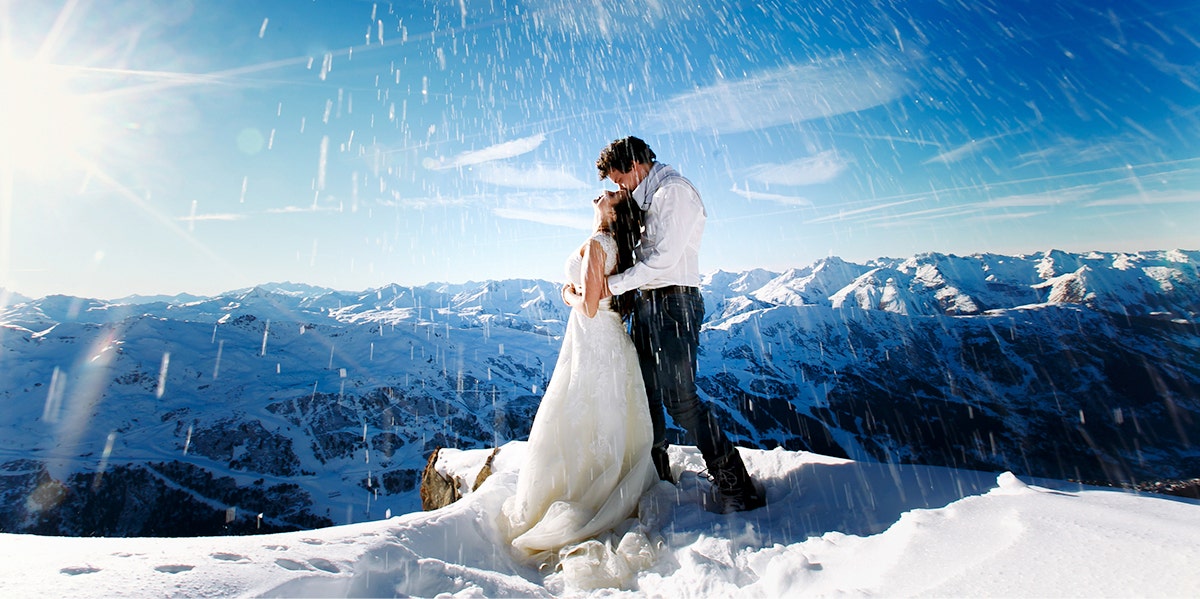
(588,457)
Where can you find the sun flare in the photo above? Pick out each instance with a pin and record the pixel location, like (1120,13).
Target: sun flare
(45,127)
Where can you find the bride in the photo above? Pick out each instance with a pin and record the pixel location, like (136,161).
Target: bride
(588,456)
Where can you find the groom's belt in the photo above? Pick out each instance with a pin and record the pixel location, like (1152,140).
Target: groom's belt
(668,290)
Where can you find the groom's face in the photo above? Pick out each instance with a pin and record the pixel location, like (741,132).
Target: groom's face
(629,180)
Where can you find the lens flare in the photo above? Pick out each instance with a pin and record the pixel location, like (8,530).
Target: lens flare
(45,126)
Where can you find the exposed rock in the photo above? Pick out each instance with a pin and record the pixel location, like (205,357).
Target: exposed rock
(486,471)
(437,489)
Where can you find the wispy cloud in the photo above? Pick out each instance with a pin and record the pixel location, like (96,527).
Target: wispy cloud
(609,20)
(301,209)
(1124,147)
(1005,208)
(947,214)
(570,220)
(843,215)
(1072,151)
(771,197)
(960,152)
(905,218)
(810,170)
(500,151)
(211,217)
(947,204)
(397,200)
(785,95)
(555,209)
(1056,197)
(972,147)
(1148,198)
(536,176)
(1006,216)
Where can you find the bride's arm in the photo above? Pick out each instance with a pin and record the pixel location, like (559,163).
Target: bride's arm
(593,277)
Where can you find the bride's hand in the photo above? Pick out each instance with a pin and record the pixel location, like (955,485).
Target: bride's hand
(570,295)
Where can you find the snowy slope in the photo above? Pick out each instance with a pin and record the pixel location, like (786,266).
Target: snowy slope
(832,528)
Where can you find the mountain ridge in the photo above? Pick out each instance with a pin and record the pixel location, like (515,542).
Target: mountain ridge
(1071,366)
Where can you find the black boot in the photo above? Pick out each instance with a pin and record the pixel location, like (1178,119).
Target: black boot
(662,462)
(736,492)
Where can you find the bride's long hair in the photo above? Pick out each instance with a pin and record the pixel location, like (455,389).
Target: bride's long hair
(626,228)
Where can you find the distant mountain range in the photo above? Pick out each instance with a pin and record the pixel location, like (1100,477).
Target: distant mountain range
(288,406)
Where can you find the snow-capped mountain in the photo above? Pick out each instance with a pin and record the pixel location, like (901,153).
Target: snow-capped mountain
(10,298)
(287,406)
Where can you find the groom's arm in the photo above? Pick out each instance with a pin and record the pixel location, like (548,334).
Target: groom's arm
(679,212)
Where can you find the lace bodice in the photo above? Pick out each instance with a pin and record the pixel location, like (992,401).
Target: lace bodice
(575,263)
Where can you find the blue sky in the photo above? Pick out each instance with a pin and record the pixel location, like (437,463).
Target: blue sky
(177,146)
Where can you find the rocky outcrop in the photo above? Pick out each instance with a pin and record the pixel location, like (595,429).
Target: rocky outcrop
(439,490)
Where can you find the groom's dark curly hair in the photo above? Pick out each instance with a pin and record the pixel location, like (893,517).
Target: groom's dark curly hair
(621,154)
(627,230)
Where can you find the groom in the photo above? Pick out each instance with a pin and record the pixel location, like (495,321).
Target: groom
(669,312)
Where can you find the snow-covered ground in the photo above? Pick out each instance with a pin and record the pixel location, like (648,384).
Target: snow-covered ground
(833,527)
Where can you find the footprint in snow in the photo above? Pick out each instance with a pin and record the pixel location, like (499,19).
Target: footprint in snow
(229,557)
(289,564)
(77,570)
(324,564)
(174,568)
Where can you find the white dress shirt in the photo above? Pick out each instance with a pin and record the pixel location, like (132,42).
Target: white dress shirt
(670,250)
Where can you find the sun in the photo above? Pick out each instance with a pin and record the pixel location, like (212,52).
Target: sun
(45,126)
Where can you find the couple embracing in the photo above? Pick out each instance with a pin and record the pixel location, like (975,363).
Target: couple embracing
(598,440)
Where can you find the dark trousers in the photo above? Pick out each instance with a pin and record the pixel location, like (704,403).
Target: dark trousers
(666,332)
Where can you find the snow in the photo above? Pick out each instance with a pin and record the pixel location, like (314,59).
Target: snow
(832,527)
